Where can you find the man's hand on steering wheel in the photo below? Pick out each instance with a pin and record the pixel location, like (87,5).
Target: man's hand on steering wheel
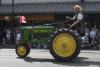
(67,17)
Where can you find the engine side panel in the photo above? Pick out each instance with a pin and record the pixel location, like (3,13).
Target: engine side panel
(36,34)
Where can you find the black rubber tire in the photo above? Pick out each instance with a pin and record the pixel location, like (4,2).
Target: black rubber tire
(77,50)
(27,50)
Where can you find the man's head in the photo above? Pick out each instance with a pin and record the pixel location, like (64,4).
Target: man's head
(77,8)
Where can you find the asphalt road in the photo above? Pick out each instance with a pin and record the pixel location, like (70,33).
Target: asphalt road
(42,58)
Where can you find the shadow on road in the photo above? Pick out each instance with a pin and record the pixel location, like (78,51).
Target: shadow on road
(79,61)
(90,52)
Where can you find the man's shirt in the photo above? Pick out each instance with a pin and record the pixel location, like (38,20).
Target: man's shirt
(78,16)
(80,25)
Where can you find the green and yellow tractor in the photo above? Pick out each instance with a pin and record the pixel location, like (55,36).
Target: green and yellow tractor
(64,44)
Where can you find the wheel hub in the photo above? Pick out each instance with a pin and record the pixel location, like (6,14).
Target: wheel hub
(21,50)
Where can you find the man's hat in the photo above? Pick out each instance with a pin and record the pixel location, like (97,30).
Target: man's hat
(77,6)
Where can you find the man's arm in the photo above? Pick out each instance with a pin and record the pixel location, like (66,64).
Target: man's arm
(75,23)
(70,18)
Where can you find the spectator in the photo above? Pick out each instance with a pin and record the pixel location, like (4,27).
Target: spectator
(0,37)
(95,29)
(4,43)
(8,35)
(18,36)
(92,37)
(93,33)
(98,34)
(3,38)
(87,32)
(98,38)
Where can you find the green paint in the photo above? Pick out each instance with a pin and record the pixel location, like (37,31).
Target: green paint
(36,34)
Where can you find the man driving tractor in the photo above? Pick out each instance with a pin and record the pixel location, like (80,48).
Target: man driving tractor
(78,19)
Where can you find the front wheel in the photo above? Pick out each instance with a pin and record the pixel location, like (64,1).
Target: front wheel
(22,50)
(64,45)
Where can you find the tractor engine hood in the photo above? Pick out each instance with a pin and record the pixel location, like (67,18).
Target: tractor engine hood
(38,29)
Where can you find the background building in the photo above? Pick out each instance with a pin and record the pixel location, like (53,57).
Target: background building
(51,9)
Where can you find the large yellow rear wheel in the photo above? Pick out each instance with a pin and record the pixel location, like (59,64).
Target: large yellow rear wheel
(64,45)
